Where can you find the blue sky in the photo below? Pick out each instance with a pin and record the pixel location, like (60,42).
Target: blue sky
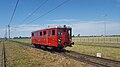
(86,17)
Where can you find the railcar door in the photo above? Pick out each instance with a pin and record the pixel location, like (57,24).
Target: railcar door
(60,37)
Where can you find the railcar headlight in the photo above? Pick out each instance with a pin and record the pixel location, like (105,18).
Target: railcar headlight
(59,40)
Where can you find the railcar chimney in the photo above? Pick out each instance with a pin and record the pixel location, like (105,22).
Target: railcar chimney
(64,26)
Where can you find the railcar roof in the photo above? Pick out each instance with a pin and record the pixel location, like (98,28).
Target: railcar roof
(53,28)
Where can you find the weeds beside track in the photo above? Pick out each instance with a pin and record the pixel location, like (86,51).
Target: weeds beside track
(28,56)
(84,58)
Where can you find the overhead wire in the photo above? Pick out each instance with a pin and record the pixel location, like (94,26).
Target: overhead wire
(13,12)
(35,10)
(12,17)
(50,10)
(46,12)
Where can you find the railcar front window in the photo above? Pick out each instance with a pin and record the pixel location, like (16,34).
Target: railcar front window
(59,32)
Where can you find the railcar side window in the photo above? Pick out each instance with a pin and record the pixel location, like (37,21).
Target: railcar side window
(59,32)
(32,34)
(44,32)
(49,32)
(40,33)
(53,32)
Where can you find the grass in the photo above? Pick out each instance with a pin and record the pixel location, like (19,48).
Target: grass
(23,40)
(108,46)
(23,56)
(109,50)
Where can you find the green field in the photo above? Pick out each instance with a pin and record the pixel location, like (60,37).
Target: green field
(109,40)
(109,47)
(108,50)
(23,56)
(23,40)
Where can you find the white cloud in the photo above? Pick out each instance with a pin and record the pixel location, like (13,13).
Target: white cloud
(64,20)
(79,27)
(26,27)
(2,29)
(2,32)
(92,27)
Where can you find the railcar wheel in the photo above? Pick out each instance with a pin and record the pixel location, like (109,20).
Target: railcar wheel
(54,48)
(39,46)
(45,47)
(59,48)
(35,46)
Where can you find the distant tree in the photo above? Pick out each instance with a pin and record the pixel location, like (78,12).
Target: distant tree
(5,38)
(73,36)
(16,38)
(78,35)
(101,35)
(20,37)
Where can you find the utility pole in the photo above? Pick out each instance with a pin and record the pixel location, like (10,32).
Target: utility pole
(9,31)
(12,18)
(105,27)
(6,33)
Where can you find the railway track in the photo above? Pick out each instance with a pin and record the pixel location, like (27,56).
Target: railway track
(3,54)
(99,62)
(0,54)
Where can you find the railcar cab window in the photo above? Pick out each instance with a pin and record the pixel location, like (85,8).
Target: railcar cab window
(59,32)
(44,33)
(69,32)
(41,33)
(53,32)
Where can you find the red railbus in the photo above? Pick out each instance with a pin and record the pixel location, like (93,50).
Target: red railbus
(56,37)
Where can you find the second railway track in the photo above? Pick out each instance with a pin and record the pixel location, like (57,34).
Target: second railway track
(99,62)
